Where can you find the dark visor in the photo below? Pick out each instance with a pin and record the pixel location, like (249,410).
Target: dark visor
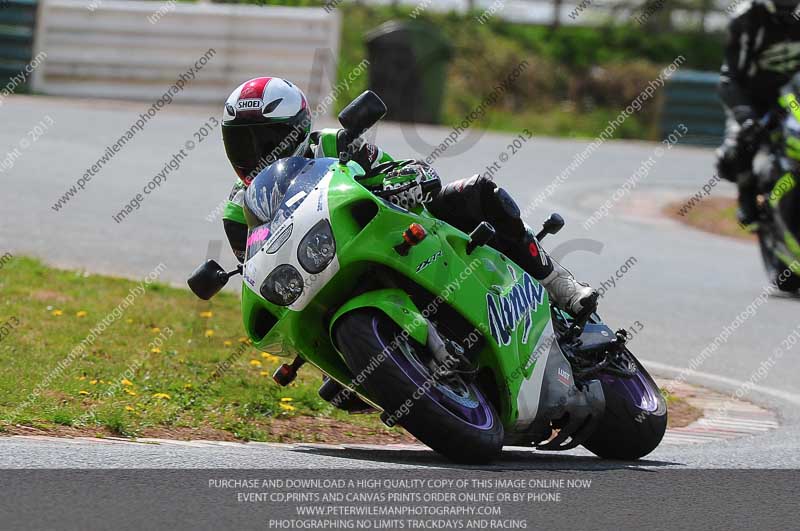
(246,145)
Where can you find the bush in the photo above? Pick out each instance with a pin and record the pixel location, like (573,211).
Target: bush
(612,85)
(573,75)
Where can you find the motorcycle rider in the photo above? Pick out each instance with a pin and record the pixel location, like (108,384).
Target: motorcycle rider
(268,118)
(762,54)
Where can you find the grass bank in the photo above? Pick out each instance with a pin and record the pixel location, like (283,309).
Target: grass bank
(169,365)
(716,215)
(166,365)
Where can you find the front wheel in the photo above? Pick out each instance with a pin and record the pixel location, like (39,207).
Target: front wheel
(635,417)
(449,414)
(777,272)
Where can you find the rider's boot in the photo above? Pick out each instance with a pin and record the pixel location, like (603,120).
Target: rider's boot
(575,297)
(524,248)
(565,291)
(748,203)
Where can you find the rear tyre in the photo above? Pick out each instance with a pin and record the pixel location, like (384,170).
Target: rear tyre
(635,417)
(454,419)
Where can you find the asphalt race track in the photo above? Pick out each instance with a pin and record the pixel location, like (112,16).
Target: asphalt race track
(685,287)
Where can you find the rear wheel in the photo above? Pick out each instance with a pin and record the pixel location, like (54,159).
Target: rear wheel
(449,414)
(635,417)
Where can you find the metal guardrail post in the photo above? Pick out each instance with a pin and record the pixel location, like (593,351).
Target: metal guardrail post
(17,24)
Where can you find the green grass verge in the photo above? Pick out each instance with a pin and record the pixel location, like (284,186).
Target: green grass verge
(716,215)
(125,383)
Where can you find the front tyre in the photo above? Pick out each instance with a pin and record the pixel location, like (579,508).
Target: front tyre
(635,417)
(450,415)
(777,272)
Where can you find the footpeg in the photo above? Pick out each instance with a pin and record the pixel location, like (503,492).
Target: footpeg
(578,324)
(286,373)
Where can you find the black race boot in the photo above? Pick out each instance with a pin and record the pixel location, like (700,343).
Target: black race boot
(748,205)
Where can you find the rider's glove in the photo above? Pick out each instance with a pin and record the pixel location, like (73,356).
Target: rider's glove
(749,134)
(742,113)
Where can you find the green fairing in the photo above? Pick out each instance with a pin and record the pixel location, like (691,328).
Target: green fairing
(467,283)
(394,303)
(234,212)
(784,185)
(327,139)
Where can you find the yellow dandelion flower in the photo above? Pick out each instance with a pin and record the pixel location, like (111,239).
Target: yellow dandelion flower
(243,340)
(128,320)
(287,399)
(129,408)
(125,381)
(287,407)
(57,312)
(227,343)
(93,382)
(207,314)
(155,330)
(132,393)
(255,363)
(155,350)
(271,359)
(81,313)
(165,396)
(264,373)
(82,392)
(209,333)
(187,386)
(81,378)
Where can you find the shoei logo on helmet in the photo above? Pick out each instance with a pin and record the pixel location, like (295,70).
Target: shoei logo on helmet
(249,104)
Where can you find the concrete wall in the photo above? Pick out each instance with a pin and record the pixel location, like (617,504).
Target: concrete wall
(138,50)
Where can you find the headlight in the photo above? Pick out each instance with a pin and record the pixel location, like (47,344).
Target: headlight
(283,286)
(317,248)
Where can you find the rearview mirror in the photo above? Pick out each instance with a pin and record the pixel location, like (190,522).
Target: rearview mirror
(207,280)
(362,113)
(551,225)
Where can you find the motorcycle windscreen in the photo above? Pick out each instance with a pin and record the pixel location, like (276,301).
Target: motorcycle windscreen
(276,193)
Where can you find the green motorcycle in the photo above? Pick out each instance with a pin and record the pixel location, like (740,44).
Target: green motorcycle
(779,199)
(444,334)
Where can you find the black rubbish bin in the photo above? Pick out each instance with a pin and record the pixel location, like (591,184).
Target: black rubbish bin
(408,66)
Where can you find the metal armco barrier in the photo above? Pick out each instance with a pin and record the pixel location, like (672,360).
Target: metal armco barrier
(17,22)
(691,99)
(130,50)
